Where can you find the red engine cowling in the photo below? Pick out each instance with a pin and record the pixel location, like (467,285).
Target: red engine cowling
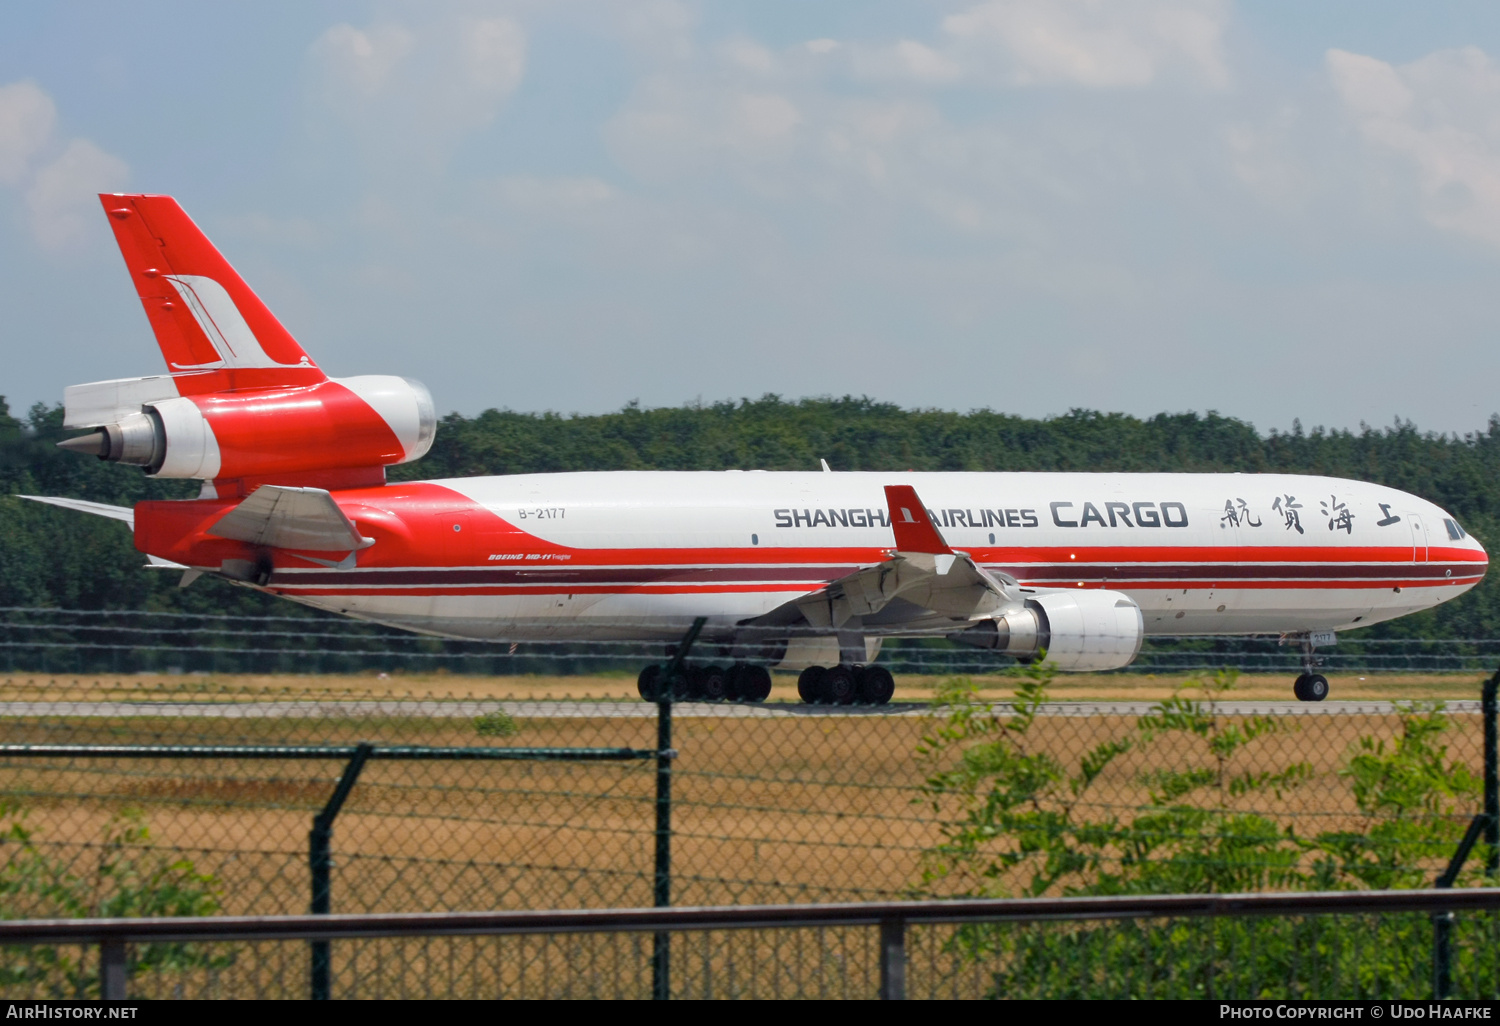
(338,424)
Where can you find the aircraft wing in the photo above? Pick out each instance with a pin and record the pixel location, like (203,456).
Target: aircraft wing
(923,583)
(291,518)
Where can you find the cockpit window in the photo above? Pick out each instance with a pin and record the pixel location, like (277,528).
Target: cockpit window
(1454,531)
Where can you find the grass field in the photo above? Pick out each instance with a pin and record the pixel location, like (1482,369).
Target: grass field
(1068,687)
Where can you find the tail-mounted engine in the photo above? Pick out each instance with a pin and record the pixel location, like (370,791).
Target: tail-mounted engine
(1078,630)
(336,424)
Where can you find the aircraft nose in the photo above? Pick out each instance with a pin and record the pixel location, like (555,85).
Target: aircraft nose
(1458,538)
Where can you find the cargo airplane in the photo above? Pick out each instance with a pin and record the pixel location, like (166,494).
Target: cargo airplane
(807,571)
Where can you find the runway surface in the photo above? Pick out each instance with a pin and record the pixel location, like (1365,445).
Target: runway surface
(531,709)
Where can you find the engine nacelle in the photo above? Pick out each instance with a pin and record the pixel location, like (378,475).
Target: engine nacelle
(1078,630)
(337,424)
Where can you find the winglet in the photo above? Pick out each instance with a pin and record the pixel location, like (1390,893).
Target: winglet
(915,531)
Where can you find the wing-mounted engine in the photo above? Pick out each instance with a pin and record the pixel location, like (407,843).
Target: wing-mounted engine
(1077,630)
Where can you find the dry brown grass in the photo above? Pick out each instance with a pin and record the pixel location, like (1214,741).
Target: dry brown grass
(910,688)
(767,809)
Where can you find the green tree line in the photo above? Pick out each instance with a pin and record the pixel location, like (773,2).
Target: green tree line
(53,557)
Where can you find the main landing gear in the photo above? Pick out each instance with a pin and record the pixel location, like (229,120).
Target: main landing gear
(846,685)
(740,682)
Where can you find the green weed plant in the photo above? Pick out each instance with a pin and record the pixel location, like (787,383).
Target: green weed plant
(126,879)
(1020,821)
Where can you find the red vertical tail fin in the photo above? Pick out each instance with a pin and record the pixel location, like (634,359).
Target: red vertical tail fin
(214,331)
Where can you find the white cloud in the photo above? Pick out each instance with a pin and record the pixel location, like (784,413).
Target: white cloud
(1370,88)
(27,115)
(1272,159)
(494,56)
(659,30)
(1442,114)
(1097,43)
(361,62)
(672,126)
(62,197)
(906,60)
(554,195)
(749,55)
(60,181)
(409,94)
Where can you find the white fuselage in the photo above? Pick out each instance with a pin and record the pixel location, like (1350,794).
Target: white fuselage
(640,554)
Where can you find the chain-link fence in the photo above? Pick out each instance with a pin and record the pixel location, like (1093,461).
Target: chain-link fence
(770,802)
(47,640)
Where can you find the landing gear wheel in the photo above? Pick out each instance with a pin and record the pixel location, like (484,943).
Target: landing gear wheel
(680,687)
(1314,687)
(810,684)
(647,683)
(839,686)
(754,684)
(1311,687)
(712,684)
(876,685)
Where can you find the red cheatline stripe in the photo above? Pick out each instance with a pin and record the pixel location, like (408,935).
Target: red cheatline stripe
(334,590)
(810,577)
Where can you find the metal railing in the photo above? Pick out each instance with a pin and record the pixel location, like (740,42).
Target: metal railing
(891,919)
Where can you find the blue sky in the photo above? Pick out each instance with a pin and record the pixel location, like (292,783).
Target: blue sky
(1279,210)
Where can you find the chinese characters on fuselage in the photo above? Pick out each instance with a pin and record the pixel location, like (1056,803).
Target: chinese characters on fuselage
(1238,513)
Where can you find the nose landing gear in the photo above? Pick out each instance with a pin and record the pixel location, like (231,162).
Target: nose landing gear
(1311,686)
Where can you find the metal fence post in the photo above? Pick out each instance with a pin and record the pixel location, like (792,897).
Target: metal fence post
(320,861)
(1488,823)
(661,891)
(1490,703)
(1442,955)
(112,970)
(892,959)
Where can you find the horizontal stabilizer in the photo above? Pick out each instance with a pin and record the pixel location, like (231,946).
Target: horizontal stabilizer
(291,518)
(108,402)
(99,509)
